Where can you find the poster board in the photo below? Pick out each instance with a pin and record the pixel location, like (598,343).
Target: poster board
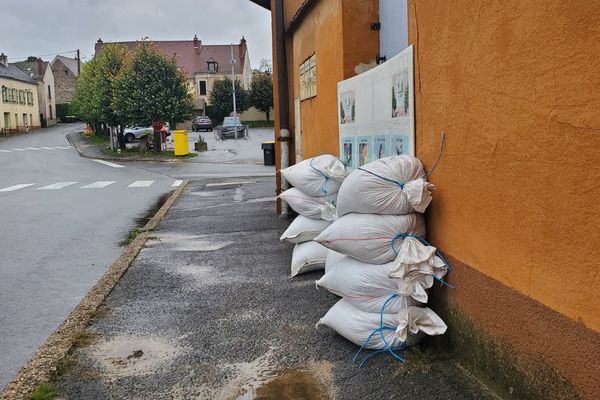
(376,113)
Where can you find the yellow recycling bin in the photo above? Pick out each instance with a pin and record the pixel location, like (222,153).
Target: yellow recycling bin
(180,143)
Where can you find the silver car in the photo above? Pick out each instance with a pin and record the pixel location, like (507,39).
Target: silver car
(136,132)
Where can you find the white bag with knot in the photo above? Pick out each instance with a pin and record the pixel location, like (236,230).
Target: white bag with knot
(303,229)
(307,257)
(310,206)
(416,266)
(368,237)
(389,186)
(366,286)
(406,327)
(317,176)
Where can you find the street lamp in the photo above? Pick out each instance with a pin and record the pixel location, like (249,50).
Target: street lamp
(232,62)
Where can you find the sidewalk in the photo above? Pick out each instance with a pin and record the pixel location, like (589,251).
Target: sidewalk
(208,311)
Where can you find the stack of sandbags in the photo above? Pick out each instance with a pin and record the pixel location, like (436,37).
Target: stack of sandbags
(384,268)
(316,182)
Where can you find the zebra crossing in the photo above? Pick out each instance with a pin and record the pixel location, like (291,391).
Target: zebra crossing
(93,185)
(41,148)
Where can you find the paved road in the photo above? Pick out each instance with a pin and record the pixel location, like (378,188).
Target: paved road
(61,223)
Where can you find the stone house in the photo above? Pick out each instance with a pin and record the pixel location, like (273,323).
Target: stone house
(41,73)
(19,105)
(66,71)
(203,64)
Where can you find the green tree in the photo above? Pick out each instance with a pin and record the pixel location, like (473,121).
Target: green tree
(150,87)
(94,90)
(261,92)
(221,99)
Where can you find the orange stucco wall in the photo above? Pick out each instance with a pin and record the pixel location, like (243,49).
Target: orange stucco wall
(321,33)
(516,88)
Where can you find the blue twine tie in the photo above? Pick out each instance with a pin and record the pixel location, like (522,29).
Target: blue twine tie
(401,184)
(388,348)
(324,187)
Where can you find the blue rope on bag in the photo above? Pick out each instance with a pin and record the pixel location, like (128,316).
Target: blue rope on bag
(388,348)
(401,184)
(324,187)
(426,243)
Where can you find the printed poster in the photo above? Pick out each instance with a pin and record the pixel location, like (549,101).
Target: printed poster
(376,108)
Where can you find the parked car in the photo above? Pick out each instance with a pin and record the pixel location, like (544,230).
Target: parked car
(202,123)
(233,128)
(136,132)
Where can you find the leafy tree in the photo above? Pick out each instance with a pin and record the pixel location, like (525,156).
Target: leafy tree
(261,92)
(221,99)
(94,90)
(150,87)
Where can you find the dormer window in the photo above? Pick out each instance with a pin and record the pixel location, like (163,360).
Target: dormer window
(213,66)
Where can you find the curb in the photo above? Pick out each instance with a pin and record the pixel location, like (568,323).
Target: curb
(118,159)
(43,364)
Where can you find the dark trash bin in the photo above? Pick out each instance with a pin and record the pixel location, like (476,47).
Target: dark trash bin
(268,149)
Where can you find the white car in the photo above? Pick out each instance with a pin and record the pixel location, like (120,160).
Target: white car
(136,132)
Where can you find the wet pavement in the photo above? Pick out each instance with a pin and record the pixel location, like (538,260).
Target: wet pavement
(208,311)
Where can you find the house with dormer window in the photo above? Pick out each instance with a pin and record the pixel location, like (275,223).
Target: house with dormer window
(203,64)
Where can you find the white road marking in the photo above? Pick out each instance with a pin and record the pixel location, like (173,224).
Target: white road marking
(19,149)
(63,147)
(177,183)
(46,148)
(137,184)
(57,185)
(228,183)
(33,148)
(98,185)
(16,187)
(5,151)
(108,163)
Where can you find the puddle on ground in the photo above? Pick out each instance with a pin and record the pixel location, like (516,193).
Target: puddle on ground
(190,242)
(133,355)
(292,385)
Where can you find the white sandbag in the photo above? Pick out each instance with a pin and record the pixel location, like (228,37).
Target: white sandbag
(416,266)
(317,176)
(332,258)
(410,325)
(303,229)
(368,237)
(390,186)
(308,256)
(366,286)
(310,206)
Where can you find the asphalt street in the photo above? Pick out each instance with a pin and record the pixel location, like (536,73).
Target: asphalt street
(208,311)
(62,220)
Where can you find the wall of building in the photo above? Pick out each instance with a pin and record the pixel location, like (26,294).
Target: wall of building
(339,33)
(516,88)
(64,83)
(47,103)
(32,111)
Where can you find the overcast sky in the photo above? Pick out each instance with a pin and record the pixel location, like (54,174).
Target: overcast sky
(47,27)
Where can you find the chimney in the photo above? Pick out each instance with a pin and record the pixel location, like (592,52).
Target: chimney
(196,42)
(3,60)
(40,65)
(98,46)
(242,52)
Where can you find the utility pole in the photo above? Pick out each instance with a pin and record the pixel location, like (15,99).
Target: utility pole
(78,63)
(232,62)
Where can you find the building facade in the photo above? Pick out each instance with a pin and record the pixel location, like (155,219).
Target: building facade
(66,71)
(41,72)
(202,64)
(19,107)
(515,88)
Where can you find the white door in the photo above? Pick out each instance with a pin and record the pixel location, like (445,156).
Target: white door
(393,36)
(297,130)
